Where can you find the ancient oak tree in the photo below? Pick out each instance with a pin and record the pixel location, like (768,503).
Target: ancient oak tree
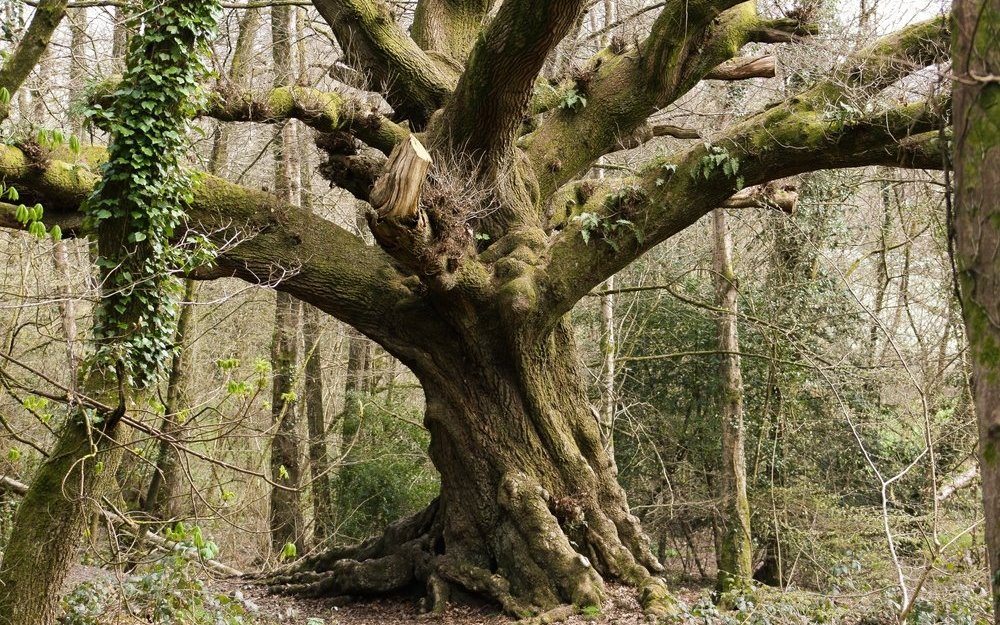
(488,233)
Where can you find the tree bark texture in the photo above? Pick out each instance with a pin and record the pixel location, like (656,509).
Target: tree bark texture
(319,455)
(735,546)
(530,512)
(18,65)
(163,495)
(287,525)
(51,519)
(976,102)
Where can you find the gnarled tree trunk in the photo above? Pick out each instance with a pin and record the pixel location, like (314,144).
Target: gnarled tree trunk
(530,511)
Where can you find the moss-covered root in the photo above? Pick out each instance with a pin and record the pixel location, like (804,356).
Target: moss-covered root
(400,557)
(474,579)
(538,572)
(353,577)
(658,602)
(557,614)
(543,543)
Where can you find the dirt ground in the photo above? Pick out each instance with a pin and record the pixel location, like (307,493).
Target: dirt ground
(621,608)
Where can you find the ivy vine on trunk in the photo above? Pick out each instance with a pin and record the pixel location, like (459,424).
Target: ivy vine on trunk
(134,211)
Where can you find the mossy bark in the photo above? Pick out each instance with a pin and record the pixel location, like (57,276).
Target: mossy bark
(449,27)
(530,513)
(977,236)
(18,65)
(735,546)
(51,519)
(373,43)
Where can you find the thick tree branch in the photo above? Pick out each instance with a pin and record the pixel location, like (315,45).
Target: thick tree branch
(483,116)
(263,241)
(768,196)
(786,140)
(325,111)
(892,58)
(374,44)
(349,167)
(782,30)
(399,224)
(617,92)
(449,28)
(624,89)
(647,132)
(23,59)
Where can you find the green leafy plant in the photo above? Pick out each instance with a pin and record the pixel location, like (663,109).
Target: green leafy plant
(572,100)
(169,593)
(718,158)
(667,172)
(592,225)
(29,217)
(288,552)
(388,474)
(139,203)
(590,612)
(842,114)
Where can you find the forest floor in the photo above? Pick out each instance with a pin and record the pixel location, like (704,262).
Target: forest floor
(622,607)
(181,592)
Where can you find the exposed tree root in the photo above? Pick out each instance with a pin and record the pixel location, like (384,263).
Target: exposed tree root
(555,615)
(538,569)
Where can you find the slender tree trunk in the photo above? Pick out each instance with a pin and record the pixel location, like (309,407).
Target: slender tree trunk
(356,380)
(315,347)
(734,544)
(609,350)
(119,37)
(78,60)
(163,497)
(286,511)
(240,74)
(319,459)
(976,105)
(67,308)
(883,275)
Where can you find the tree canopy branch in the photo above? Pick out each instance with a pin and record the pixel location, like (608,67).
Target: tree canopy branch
(449,28)
(377,46)
(634,214)
(492,94)
(687,43)
(322,110)
(23,59)
(262,239)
